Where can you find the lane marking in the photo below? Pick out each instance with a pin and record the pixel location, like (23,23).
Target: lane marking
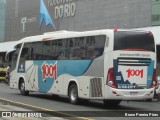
(45,109)
(3,109)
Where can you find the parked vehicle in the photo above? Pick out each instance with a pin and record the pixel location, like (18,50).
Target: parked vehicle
(2,72)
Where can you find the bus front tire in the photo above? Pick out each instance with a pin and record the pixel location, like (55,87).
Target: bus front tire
(22,88)
(111,103)
(73,94)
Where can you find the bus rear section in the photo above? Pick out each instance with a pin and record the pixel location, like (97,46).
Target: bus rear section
(131,73)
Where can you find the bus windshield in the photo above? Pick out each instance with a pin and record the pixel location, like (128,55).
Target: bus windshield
(127,40)
(15,57)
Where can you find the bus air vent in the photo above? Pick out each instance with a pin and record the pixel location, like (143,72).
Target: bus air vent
(96,87)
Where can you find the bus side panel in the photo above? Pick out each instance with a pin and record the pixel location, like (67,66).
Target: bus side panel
(52,76)
(94,79)
(83,84)
(48,76)
(14,79)
(82,73)
(41,74)
(31,79)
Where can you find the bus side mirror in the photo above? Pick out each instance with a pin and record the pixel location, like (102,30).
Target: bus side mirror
(7,57)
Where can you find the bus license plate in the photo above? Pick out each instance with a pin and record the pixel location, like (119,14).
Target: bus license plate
(133,93)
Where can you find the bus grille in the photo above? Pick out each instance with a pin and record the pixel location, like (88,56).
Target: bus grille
(96,87)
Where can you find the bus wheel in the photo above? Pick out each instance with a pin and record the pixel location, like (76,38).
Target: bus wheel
(111,103)
(73,94)
(22,88)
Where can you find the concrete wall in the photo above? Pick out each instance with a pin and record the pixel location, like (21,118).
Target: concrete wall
(88,15)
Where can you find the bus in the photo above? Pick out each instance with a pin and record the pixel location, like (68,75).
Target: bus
(110,65)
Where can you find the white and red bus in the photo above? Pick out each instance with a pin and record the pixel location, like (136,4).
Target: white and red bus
(108,65)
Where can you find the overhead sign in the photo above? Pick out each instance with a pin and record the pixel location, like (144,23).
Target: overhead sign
(63,8)
(25,20)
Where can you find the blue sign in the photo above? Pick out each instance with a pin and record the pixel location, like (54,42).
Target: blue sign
(44,15)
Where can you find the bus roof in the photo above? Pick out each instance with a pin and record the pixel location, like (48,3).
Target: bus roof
(66,34)
(60,35)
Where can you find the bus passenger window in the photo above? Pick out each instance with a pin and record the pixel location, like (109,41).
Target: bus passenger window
(62,56)
(25,54)
(95,46)
(90,47)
